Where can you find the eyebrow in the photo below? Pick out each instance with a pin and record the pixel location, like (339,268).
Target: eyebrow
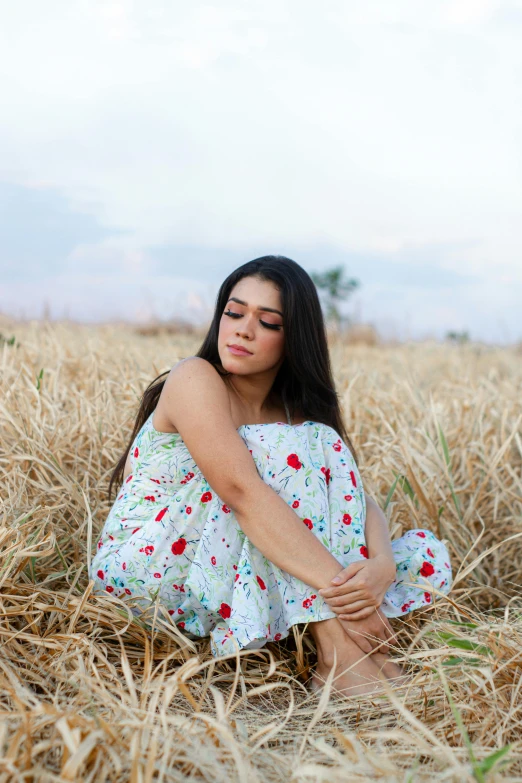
(265,309)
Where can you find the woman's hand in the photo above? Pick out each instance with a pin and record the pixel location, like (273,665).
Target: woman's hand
(360,588)
(373,634)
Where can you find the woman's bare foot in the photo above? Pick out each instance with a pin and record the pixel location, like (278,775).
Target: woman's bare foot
(393,673)
(355,672)
(391,670)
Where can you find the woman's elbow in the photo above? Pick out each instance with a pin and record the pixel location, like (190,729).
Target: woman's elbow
(241,495)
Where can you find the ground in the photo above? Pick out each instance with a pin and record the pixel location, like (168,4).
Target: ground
(89,694)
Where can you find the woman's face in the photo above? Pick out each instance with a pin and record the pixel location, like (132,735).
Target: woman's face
(253,320)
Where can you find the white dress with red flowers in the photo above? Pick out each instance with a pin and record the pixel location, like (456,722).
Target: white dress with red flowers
(169,537)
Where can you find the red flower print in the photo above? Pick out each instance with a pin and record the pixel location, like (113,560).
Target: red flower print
(277,637)
(124,566)
(180,611)
(100,544)
(151,498)
(427,598)
(136,452)
(110,589)
(213,560)
(430,553)
(234,567)
(348,497)
(352,476)
(237,577)
(337,445)
(364,551)
(100,574)
(347,520)
(128,479)
(225,509)
(307,603)
(111,537)
(404,608)
(129,592)
(181,624)
(206,496)
(182,588)
(162,514)
(189,509)
(178,547)
(309,524)
(171,611)
(293,461)
(447,565)
(156,481)
(157,575)
(295,504)
(421,534)
(427,569)
(261,583)
(135,531)
(224,611)
(326,475)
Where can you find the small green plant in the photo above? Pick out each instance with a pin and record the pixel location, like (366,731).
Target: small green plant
(8,340)
(39,380)
(482,768)
(405,485)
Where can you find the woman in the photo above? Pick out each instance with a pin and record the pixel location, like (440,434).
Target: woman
(241,502)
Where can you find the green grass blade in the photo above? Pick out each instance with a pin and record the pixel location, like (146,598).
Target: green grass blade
(391,491)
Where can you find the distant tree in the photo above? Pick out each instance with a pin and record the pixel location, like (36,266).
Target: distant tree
(335,288)
(458,337)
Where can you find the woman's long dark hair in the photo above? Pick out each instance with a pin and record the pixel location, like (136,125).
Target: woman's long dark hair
(304,380)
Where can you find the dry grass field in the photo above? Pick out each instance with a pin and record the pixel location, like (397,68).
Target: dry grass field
(89,694)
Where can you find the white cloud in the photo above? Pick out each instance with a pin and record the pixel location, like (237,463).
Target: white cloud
(376,127)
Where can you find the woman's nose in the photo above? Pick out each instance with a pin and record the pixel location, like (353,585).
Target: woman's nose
(245,328)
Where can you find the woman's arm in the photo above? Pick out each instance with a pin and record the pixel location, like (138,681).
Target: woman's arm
(196,401)
(360,588)
(377,536)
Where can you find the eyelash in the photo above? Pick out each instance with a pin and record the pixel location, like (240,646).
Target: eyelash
(276,327)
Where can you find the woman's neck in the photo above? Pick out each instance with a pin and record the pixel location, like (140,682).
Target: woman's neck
(253,394)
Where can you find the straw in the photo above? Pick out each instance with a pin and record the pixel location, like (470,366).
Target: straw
(90,693)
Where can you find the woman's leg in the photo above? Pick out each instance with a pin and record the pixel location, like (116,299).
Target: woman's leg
(355,672)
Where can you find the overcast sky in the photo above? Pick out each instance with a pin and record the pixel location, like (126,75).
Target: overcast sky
(148,148)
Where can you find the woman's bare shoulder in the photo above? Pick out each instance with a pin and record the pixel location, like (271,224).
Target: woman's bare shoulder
(192,379)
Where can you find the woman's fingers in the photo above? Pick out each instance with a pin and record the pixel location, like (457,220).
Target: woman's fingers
(367,642)
(383,647)
(352,585)
(343,600)
(364,644)
(391,634)
(351,609)
(362,614)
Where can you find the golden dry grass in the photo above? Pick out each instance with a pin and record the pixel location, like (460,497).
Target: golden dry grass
(89,694)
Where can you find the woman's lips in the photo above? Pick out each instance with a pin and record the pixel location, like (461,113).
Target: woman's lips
(238,351)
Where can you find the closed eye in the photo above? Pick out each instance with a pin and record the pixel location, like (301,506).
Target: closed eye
(263,323)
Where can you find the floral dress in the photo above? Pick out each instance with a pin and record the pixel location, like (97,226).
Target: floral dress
(169,537)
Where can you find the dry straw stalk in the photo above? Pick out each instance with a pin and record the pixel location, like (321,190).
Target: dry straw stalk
(89,694)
